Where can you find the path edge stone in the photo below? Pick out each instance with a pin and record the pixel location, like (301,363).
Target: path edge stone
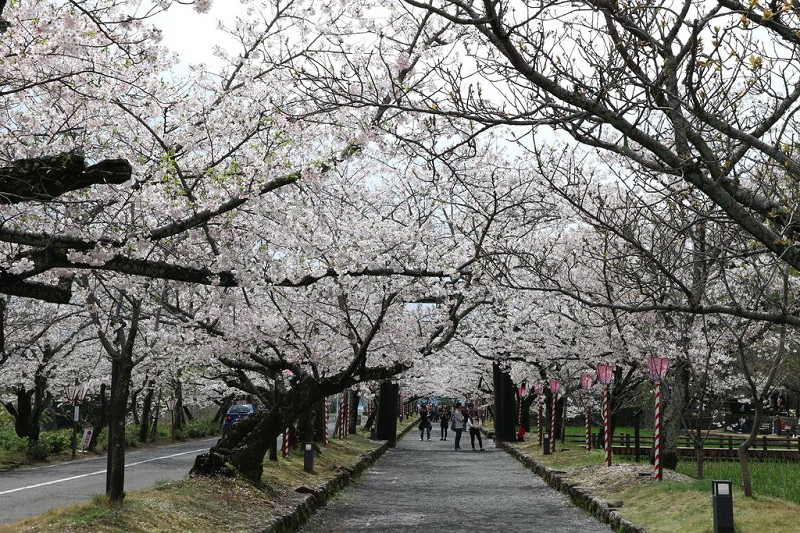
(300,513)
(580,497)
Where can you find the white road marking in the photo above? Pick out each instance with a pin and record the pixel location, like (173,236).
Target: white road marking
(103,471)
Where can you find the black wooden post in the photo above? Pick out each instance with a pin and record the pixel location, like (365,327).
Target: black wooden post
(636,451)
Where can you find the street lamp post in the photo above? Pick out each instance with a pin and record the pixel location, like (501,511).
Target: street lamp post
(605,373)
(539,388)
(75,394)
(658,370)
(555,385)
(586,385)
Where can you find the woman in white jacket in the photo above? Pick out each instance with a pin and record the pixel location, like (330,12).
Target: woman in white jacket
(474,424)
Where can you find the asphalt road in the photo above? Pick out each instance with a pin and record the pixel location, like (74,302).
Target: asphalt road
(428,486)
(32,491)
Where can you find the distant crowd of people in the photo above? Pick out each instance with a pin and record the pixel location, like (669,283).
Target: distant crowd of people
(458,419)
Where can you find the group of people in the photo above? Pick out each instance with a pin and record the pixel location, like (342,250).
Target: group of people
(457,421)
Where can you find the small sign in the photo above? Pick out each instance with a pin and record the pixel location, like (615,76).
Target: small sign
(87,438)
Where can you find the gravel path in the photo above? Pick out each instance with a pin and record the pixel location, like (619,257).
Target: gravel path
(428,486)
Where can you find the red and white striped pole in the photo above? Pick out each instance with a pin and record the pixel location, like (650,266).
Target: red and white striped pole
(521,392)
(539,390)
(325,420)
(588,426)
(606,427)
(555,385)
(285,451)
(658,371)
(340,416)
(657,470)
(605,373)
(586,385)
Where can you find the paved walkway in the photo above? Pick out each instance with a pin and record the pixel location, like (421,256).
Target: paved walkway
(428,486)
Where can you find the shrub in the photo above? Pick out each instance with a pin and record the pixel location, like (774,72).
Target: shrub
(198,428)
(10,442)
(56,442)
(131,436)
(38,450)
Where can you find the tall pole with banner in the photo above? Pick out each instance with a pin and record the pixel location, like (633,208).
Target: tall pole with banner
(75,394)
(605,373)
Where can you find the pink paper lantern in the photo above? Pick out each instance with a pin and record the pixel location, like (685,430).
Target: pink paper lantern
(658,367)
(522,391)
(555,386)
(605,373)
(539,388)
(586,381)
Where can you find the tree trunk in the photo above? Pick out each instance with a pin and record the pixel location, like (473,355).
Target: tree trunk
(133,406)
(353,411)
(305,425)
(147,405)
(373,413)
(21,412)
(178,410)
(674,412)
(102,419)
(116,449)
(743,452)
(41,399)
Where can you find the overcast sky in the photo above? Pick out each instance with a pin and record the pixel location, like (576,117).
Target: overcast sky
(192,34)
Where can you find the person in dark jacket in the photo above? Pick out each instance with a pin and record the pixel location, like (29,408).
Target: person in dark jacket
(444,420)
(424,424)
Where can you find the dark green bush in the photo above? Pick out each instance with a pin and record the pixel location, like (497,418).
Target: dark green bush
(38,450)
(10,442)
(56,442)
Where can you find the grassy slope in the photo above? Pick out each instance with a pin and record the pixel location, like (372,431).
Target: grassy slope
(202,504)
(686,506)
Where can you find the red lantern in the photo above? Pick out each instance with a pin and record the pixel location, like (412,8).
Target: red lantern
(586,381)
(539,388)
(605,374)
(555,386)
(658,367)
(522,390)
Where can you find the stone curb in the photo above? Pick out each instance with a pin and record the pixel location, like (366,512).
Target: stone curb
(319,496)
(580,496)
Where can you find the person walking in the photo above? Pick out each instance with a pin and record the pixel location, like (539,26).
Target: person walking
(457,424)
(474,424)
(444,420)
(424,424)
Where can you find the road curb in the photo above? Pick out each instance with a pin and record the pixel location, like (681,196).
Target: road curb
(319,496)
(579,496)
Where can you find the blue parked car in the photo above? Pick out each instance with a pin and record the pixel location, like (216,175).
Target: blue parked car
(236,413)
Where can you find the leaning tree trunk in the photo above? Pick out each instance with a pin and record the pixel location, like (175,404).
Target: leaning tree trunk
(21,412)
(747,485)
(373,413)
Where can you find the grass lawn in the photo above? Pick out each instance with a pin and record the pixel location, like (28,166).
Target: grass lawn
(682,503)
(197,504)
